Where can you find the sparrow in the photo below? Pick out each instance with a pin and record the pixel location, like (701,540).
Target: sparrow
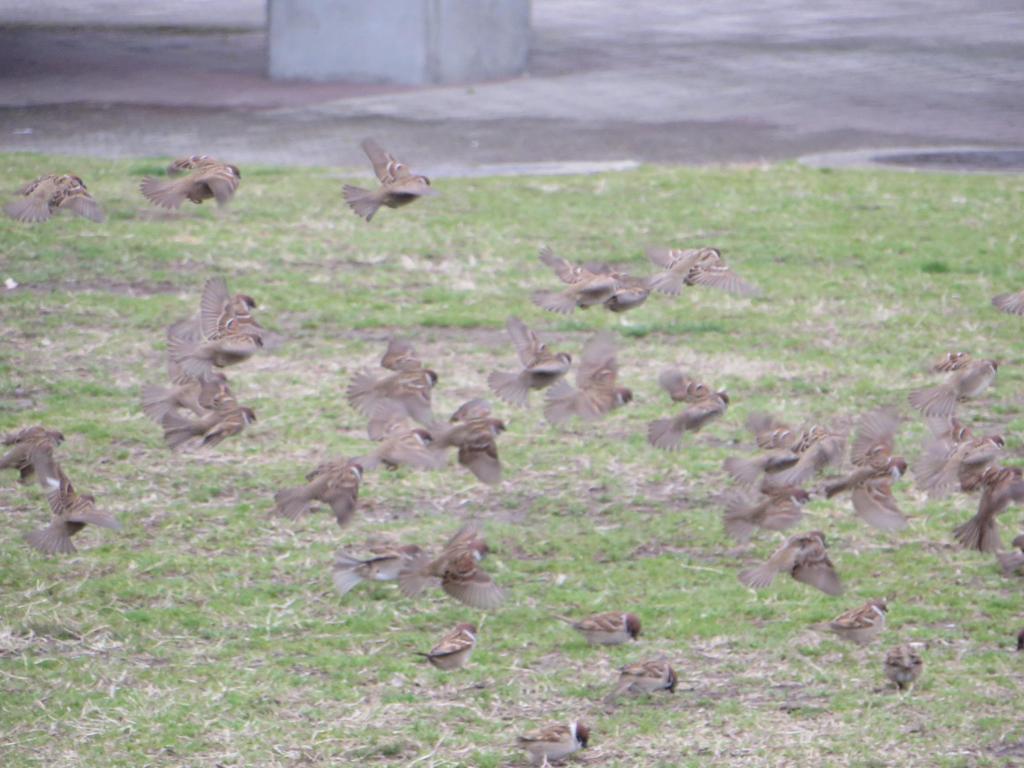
(401,394)
(697,266)
(1000,486)
(875,471)
(541,367)
(197,395)
(31,452)
(587,288)
(952,455)
(774,437)
(705,406)
(903,665)
(643,677)
(475,437)
(403,445)
(1013,562)
(555,743)
(457,568)
(226,419)
(222,315)
(629,291)
(398,185)
(968,379)
(951,361)
(50,193)
(817,447)
(195,178)
(197,354)
(335,483)
(1011,303)
(347,571)
(454,649)
(400,356)
(71,513)
(595,393)
(611,628)
(860,625)
(777,508)
(804,558)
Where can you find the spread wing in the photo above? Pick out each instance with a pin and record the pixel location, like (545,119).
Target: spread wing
(526,342)
(212,305)
(598,362)
(385,165)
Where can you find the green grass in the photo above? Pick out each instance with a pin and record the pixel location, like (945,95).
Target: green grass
(207,633)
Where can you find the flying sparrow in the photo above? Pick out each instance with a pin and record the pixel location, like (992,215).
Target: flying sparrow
(398,185)
(226,419)
(1001,486)
(196,354)
(597,393)
(454,649)
(875,471)
(643,677)
(555,743)
(817,447)
(401,394)
(952,455)
(347,571)
(458,570)
(335,483)
(903,665)
(475,436)
(804,558)
(968,379)
(777,508)
(860,625)
(71,513)
(197,395)
(698,266)
(31,452)
(611,628)
(403,445)
(50,193)
(772,436)
(1011,303)
(541,367)
(196,178)
(629,291)
(586,288)
(705,406)
(1013,562)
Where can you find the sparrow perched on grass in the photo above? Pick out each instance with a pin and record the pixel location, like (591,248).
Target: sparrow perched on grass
(51,193)
(611,628)
(903,665)
(586,288)
(400,356)
(704,406)
(31,453)
(401,394)
(1000,487)
(696,266)
(403,445)
(197,395)
(335,483)
(457,568)
(196,179)
(596,392)
(875,471)
(541,366)
(776,508)
(227,419)
(804,558)
(1013,562)
(952,455)
(385,565)
(860,625)
(1011,303)
(475,437)
(454,649)
(968,379)
(643,677)
(555,743)
(71,513)
(398,185)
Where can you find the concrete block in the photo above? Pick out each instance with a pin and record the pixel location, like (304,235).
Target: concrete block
(406,42)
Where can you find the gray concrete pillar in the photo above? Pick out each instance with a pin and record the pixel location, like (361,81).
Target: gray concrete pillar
(407,42)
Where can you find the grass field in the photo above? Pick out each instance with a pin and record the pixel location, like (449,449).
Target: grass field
(209,634)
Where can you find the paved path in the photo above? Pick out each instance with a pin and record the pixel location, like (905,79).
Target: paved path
(647,80)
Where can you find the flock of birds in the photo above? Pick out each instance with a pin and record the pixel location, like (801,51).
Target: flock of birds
(199,407)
